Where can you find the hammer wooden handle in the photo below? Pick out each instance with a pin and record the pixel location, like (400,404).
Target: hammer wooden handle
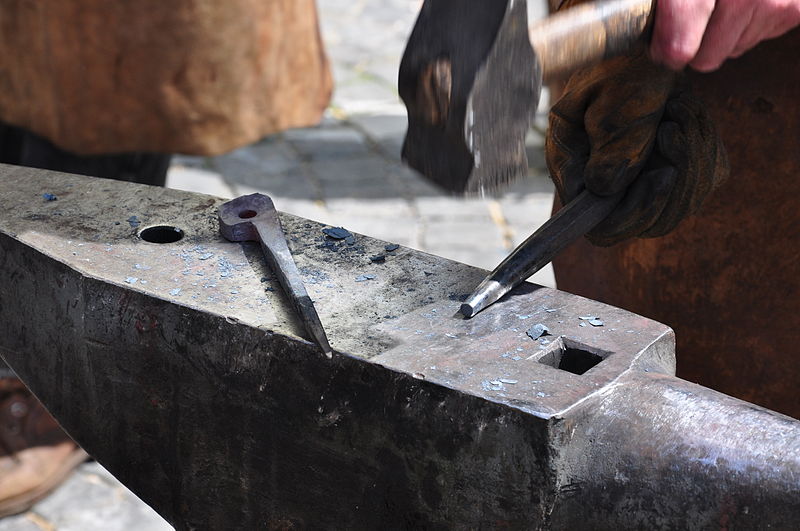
(585,34)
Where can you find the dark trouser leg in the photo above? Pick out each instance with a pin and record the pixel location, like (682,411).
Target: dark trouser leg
(23,148)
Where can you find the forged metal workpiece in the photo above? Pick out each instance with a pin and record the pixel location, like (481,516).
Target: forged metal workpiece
(254,218)
(193,386)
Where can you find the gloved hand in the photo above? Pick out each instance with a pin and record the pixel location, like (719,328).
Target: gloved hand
(629,127)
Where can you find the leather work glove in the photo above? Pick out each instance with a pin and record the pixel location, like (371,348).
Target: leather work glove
(630,127)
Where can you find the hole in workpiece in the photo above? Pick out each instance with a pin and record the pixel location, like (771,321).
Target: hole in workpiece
(161,234)
(573,358)
(247,214)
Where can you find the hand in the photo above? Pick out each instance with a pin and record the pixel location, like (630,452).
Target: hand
(623,127)
(704,33)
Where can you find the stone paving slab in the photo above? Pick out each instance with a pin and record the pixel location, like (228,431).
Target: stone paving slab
(91,499)
(348,172)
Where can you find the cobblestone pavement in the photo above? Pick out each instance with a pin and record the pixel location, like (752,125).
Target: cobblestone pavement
(345,172)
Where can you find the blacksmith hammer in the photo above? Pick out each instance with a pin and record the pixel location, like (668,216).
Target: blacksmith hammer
(472,73)
(471,77)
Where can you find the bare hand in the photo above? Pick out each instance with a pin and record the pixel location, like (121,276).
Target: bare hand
(704,33)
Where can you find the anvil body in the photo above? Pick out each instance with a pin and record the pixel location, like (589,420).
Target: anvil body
(179,366)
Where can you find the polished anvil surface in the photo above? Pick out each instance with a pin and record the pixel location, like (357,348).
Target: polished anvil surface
(180,367)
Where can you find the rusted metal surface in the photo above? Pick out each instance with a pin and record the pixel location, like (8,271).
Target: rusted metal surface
(254,218)
(193,385)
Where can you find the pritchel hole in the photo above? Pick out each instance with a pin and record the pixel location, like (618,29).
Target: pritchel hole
(247,214)
(161,234)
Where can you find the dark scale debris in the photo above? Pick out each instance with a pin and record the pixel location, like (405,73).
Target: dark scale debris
(134,222)
(378,258)
(338,233)
(391,247)
(49,197)
(350,240)
(537,331)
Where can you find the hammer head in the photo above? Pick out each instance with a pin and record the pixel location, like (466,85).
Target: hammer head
(238,216)
(470,81)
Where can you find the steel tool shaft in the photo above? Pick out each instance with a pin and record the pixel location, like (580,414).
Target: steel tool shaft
(254,218)
(566,226)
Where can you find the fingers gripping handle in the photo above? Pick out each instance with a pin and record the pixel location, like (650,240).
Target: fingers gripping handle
(582,35)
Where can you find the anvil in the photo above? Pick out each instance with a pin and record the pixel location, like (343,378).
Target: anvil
(162,349)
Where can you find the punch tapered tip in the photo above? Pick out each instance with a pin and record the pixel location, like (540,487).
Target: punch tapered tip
(485,294)
(467,310)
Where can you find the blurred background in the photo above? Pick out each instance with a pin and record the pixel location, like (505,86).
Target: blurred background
(345,172)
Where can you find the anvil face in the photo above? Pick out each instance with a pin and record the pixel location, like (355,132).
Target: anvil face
(493,355)
(174,364)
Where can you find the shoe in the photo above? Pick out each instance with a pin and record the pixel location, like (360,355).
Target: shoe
(35,454)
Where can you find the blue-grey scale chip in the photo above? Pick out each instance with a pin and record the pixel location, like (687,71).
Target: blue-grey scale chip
(537,331)
(338,233)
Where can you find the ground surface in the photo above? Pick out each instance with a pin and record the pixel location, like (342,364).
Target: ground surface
(346,172)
